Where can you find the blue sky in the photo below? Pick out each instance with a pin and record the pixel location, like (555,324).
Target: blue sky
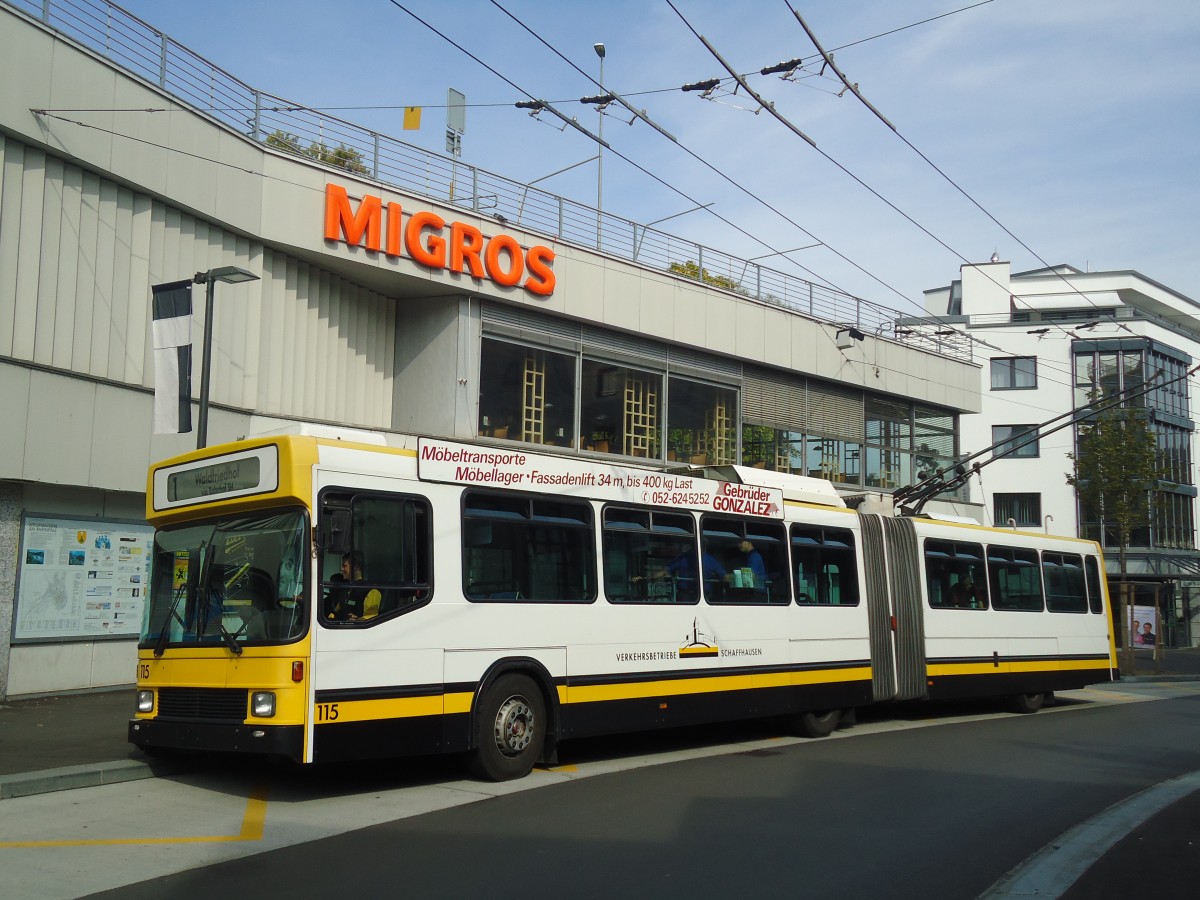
(1073,122)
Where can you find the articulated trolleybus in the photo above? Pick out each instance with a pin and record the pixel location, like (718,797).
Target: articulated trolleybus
(325,599)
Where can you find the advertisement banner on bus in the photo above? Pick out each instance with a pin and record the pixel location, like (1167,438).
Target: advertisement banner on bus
(516,469)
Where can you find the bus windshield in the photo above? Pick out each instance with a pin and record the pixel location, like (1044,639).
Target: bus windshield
(232,581)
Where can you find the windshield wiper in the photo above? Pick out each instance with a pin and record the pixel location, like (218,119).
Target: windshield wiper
(230,639)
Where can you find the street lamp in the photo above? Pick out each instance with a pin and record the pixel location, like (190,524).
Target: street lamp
(230,275)
(599,48)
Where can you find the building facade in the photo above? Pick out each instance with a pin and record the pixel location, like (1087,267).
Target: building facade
(382,302)
(1056,340)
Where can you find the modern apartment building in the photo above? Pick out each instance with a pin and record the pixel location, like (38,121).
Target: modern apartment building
(1050,341)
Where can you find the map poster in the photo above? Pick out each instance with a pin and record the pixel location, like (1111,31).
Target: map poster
(80,579)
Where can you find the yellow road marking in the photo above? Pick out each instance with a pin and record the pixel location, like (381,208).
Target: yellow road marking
(252,830)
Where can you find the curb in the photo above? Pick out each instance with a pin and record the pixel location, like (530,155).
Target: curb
(27,784)
(1054,869)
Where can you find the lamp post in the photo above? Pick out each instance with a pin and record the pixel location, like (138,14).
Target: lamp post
(230,275)
(599,48)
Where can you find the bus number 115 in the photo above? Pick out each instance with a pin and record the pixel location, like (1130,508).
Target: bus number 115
(327,712)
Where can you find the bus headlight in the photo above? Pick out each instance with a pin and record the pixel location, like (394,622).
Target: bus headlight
(145,701)
(262,704)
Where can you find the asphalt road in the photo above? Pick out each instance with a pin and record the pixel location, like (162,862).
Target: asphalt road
(920,812)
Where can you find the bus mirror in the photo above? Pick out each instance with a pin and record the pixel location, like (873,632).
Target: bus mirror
(333,534)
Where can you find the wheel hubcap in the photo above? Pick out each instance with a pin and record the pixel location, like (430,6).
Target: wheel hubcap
(514,725)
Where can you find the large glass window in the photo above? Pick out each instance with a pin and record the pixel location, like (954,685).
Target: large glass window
(701,423)
(934,441)
(526,394)
(533,549)
(743,561)
(954,575)
(1014,373)
(889,444)
(1173,452)
(387,568)
(1015,441)
(834,460)
(1106,373)
(776,449)
(621,410)
(825,569)
(1108,536)
(231,581)
(1015,579)
(650,556)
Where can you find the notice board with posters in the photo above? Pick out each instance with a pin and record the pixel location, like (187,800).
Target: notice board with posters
(81,579)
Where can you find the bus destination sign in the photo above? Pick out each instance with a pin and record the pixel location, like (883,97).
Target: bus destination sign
(223,477)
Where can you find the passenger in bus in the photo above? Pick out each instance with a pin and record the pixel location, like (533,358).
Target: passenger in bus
(960,593)
(967,593)
(754,562)
(682,570)
(350,604)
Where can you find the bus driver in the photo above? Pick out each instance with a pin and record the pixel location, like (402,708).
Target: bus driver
(350,604)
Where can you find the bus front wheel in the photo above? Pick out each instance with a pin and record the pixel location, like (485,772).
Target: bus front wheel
(510,729)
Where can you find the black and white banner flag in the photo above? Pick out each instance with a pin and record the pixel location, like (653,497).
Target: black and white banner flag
(172,327)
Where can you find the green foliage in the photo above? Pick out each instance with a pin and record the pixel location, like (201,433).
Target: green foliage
(693,271)
(341,156)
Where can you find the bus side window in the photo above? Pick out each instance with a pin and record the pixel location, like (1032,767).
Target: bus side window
(387,568)
(824,565)
(954,575)
(522,548)
(1065,589)
(1094,588)
(1015,579)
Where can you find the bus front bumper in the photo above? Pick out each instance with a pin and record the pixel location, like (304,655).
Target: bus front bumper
(277,740)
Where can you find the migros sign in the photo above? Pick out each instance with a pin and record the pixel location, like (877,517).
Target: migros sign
(432,242)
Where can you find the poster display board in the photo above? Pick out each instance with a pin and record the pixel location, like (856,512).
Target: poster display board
(81,578)
(1143,626)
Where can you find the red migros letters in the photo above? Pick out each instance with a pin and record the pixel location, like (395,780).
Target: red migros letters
(431,241)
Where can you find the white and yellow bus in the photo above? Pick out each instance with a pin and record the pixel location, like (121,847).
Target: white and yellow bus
(326,599)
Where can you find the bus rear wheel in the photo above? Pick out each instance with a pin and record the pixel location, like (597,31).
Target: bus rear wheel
(510,729)
(1026,703)
(818,724)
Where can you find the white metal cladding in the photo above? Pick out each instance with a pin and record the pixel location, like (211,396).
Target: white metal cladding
(78,254)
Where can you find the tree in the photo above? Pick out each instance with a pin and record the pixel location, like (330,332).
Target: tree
(1116,472)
